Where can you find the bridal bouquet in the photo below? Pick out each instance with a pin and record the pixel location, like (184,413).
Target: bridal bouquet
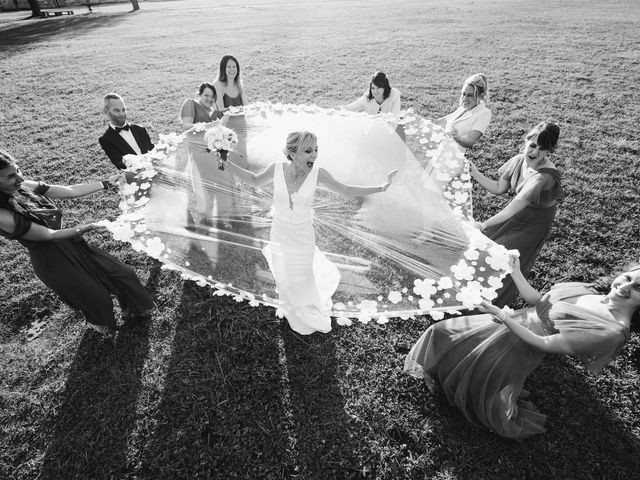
(221,139)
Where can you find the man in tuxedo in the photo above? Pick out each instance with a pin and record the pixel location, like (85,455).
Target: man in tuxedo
(122,138)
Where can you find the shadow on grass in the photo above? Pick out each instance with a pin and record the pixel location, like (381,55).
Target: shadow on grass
(221,415)
(579,426)
(91,432)
(98,411)
(243,399)
(322,444)
(32,30)
(35,307)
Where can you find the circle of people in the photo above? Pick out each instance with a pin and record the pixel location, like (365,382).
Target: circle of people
(480,361)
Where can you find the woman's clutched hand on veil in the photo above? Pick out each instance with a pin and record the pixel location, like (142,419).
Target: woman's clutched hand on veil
(514,260)
(499,314)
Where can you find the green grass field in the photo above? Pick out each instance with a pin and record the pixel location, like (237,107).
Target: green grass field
(214,389)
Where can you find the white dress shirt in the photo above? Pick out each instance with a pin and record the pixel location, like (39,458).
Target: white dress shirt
(128,137)
(391,104)
(465,121)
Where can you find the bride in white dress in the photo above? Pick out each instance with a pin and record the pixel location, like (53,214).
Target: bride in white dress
(304,277)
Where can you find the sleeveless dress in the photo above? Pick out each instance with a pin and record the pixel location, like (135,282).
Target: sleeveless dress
(83,276)
(231,101)
(527,230)
(481,365)
(304,277)
(212,188)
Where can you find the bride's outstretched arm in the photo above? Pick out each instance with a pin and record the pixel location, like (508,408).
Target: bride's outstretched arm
(327,180)
(253,179)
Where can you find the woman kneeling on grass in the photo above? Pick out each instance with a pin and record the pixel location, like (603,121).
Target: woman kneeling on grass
(83,276)
(482,361)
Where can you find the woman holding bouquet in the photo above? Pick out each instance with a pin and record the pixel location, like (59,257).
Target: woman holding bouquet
(481,361)
(304,277)
(525,222)
(83,276)
(212,188)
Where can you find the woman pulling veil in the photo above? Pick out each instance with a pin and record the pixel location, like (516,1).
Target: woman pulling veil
(304,277)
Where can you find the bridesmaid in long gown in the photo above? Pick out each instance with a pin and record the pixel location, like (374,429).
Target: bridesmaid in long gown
(83,276)
(525,222)
(212,187)
(482,361)
(305,278)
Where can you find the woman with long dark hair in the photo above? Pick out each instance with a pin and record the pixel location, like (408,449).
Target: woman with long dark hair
(228,85)
(83,276)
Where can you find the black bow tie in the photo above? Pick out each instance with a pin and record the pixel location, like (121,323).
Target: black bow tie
(125,127)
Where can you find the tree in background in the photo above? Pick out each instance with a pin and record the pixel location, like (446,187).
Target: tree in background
(35,8)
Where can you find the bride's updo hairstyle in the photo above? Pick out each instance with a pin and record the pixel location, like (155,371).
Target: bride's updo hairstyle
(548,134)
(297,141)
(480,87)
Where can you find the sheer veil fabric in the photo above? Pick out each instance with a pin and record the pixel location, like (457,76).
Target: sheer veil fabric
(409,250)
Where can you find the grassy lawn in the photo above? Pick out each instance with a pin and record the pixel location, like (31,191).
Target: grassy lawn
(216,389)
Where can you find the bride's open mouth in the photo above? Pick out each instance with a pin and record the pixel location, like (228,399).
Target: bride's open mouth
(310,164)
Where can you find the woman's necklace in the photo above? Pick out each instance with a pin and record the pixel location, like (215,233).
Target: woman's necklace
(297,181)
(296,177)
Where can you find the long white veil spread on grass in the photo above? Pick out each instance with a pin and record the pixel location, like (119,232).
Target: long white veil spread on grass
(410,250)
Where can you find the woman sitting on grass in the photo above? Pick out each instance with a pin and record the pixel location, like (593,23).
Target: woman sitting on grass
(379,97)
(482,361)
(83,276)
(471,119)
(524,223)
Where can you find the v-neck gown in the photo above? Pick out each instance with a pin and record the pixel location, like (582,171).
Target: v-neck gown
(304,277)
(482,366)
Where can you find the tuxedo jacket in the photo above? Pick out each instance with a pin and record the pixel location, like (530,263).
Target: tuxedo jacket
(117,147)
